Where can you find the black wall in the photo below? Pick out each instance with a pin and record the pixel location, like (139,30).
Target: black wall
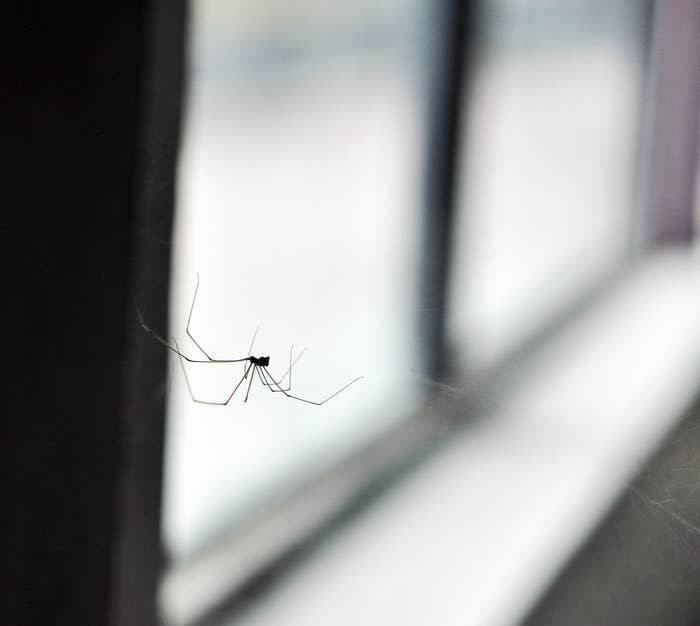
(88,211)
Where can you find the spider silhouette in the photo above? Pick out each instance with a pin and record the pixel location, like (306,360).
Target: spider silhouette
(254,365)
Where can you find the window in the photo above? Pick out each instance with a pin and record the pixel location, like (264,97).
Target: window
(548,172)
(297,207)
(303,210)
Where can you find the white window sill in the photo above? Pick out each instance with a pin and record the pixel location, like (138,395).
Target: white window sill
(476,534)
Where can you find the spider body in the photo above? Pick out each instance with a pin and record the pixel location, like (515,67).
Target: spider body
(262,361)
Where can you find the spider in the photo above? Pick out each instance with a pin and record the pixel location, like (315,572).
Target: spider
(255,365)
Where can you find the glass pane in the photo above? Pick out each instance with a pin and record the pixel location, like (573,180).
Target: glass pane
(297,208)
(548,164)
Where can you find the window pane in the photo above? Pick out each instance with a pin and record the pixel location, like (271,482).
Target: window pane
(297,207)
(548,164)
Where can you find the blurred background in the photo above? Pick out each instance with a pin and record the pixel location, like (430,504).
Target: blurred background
(307,202)
(486,209)
(300,205)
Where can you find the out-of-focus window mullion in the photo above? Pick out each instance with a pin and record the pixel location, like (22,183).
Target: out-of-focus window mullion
(449,55)
(674,103)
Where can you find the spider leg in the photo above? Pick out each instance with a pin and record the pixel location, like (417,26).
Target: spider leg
(250,384)
(176,350)
(196,343)
(189,386)
(267,374)
(252,341)
(288,372)
(189,319)
(264,382)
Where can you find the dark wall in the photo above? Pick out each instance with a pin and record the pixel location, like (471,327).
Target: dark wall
(77,239)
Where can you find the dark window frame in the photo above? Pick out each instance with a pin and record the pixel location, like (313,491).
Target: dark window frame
(84,399)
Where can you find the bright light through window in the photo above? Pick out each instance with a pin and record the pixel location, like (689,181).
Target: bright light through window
(548,165)
(297,207)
